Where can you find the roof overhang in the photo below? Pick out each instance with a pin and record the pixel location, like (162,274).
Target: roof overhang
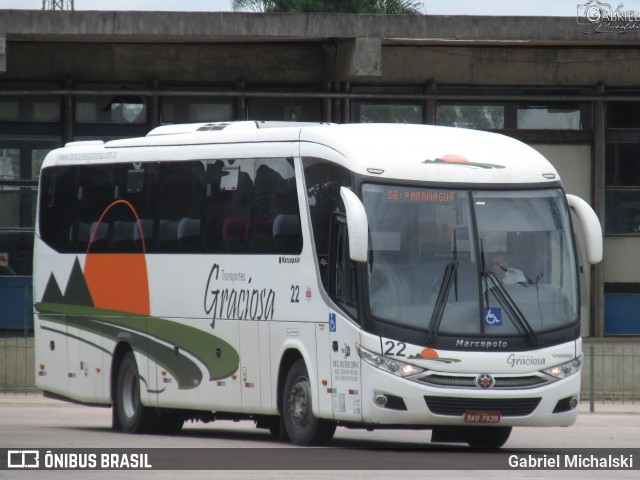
(223,27)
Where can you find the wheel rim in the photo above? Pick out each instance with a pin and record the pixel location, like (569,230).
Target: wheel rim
(299,403)
(130,394)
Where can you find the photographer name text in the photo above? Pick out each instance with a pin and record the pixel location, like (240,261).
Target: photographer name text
(571,461)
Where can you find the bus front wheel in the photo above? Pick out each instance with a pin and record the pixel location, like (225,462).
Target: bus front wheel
(132,416)
(301,425)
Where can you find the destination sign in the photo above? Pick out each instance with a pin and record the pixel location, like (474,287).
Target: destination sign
(431,196)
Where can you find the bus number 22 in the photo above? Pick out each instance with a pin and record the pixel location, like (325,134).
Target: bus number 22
(395,349)
(295,294)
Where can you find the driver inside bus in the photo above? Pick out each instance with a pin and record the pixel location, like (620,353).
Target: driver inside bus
(504,273)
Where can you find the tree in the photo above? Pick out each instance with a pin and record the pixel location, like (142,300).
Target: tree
(400,7)
(251,5)
(392,7)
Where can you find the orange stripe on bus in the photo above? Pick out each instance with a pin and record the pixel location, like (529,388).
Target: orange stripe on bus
(118,282)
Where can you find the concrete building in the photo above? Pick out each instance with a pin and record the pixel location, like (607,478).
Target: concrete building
(570,87)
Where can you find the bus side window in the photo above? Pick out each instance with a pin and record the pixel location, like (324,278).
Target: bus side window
(343,281)
(275,216)
(95,194)
(251,206)
(227,205)
(323,180)
(180,207)
(58,200)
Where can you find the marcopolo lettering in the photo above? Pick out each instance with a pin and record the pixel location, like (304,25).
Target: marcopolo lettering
(481,344)
(289,260)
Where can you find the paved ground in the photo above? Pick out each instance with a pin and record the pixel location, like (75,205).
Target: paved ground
(34,422)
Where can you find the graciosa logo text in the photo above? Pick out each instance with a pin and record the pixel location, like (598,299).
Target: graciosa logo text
(236,303)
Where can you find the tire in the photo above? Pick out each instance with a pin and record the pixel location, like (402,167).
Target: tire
(487,437)
(132,416)
(300,425)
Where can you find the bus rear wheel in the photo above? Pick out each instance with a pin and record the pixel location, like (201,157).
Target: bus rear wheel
(132,416)
(487,437)
(301,425)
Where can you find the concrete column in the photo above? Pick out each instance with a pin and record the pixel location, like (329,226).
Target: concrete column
(346,104)
(67,113)
(336,110)
(359,58)
(154,105)
(241,101)
(3,54)
(599,153)
(326,114)
(429,106)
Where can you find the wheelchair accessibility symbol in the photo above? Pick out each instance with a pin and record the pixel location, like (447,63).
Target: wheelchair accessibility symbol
(332,322)
(493,317)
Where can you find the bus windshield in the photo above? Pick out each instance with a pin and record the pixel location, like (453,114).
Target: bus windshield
(463,262)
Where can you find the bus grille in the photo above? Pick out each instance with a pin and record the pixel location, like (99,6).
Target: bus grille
(469,382)
(508,407)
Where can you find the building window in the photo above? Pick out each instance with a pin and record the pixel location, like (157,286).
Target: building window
(622,208)
(14,165)
(17,207)
(17,191)
(549,118)
(622,169)
(9,164)
(621,305)
(515,116)
(384,110)
(622,211)
(623,115)
(196,109)
(44,109)
(285,109)
(20,162)
(482,117)
(122,108)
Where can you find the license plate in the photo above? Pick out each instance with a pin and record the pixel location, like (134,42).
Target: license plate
(482,417)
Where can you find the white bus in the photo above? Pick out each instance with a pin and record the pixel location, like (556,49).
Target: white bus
(306,276)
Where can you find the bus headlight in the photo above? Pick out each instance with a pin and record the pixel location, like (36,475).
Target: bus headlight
(387,364)
(566,369)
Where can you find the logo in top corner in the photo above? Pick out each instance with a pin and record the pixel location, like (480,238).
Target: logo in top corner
(604,19)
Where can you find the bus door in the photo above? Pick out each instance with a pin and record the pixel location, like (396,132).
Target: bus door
(346,385)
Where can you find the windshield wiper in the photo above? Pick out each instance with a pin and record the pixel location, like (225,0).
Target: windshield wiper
(441,300)
(450,274)
(505,299)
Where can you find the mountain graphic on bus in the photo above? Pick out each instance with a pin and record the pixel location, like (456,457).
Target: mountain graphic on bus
(431,354)
(84,306)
